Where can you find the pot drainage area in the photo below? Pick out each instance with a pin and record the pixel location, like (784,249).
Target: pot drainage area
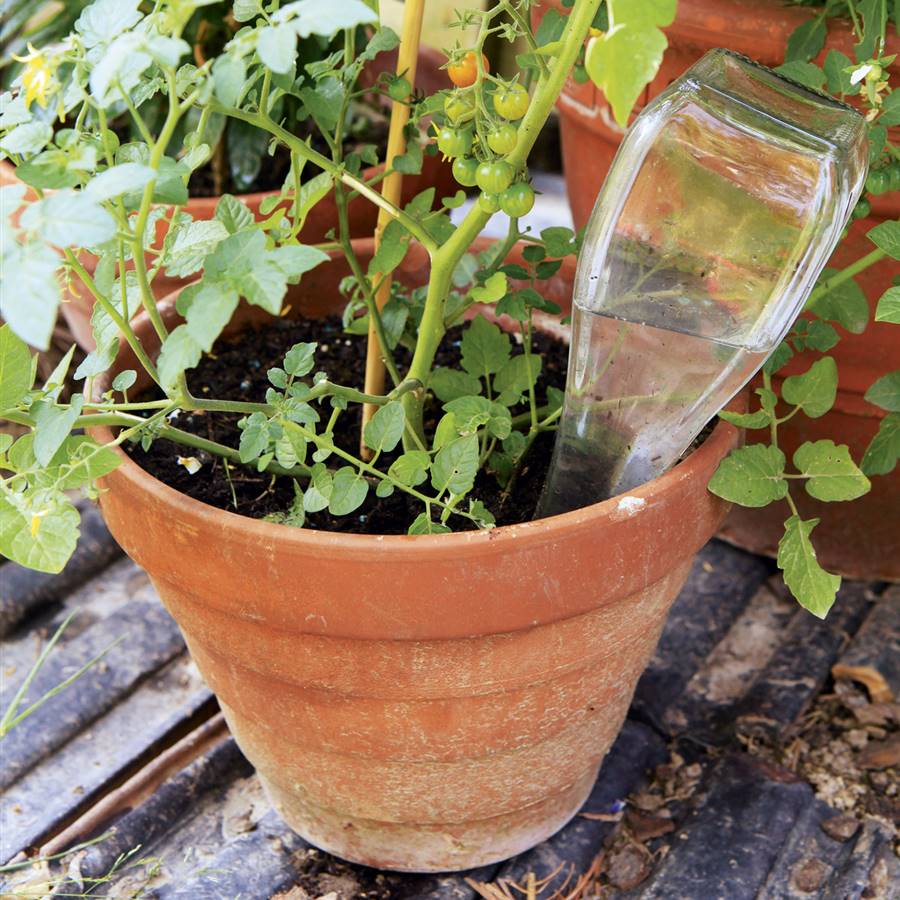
(759,758)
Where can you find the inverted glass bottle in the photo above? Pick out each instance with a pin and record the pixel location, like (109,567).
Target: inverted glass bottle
(722,205)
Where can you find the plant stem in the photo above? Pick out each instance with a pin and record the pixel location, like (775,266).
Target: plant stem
(844,275)
(446,258)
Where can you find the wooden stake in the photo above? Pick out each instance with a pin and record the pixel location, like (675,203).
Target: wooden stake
(391,189)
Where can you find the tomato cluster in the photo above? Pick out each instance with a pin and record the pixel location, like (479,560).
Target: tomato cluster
(479,154)
(884,180)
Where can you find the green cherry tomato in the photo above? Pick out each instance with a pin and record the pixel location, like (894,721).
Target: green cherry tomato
(490,203)
(454,141)
(464,169)
(399,88)
(894,176)
(459,107)
(877,181)
(503,139)
(494,177)
(511,101)
(861,210)
(517,200)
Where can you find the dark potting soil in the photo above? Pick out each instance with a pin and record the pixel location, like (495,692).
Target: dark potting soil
(236,370)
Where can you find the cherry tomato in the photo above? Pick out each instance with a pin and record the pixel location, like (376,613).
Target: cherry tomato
(464,168)
(861,210)
(494,177)
(517,200)
(459,107)
(894,176)
(511,101)
(454,141)
(464,72)
(490,203)
(503,139)
(877,181)
(399,88)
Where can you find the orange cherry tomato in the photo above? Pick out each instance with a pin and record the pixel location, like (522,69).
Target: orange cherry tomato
(464,72)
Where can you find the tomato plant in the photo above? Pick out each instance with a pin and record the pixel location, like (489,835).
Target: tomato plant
(511,101)
(517,200)
(502,139)
(494,176)
(463,72)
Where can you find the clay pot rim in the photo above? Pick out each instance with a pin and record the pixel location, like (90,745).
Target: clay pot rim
(679,478)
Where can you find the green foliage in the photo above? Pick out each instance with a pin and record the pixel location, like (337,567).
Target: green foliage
(813,587)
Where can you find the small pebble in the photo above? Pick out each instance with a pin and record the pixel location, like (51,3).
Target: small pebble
(809,875)
(841,828)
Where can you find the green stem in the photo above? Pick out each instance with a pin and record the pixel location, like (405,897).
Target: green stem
(826,287)
(337,172)
(446,258)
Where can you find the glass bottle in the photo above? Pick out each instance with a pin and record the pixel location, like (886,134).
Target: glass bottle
(725,199)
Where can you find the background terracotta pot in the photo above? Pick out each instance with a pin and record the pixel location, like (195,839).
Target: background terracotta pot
(420,703)
(322,218)
(851,538)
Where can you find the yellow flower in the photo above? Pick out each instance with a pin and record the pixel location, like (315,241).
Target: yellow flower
(36,76)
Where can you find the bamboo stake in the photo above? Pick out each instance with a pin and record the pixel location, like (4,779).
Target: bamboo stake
(391,189)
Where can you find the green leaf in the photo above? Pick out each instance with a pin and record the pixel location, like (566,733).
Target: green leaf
(15,368)
(179,351)
(886,236)
(86,461)
(319,490)
(836,64)
(813,587)
(550,28)
(751,476)
(758,419)
(300,359)
(622,62)
(890,110)
(193,243)
(492,290)
(38,537)
(30,137)
(805,73)
(845,304)
(229,75)
(208,308)
(29,292)
(324,102)
(348,491)
(516,377)
(469,413)
(392,249)
(118,180)
(124,380)
(254,437)
(315,17)
(815,335)
(448,384)
(889,306)
(245,10)
(813,391)
(779,358)
(807,40)
(874,16)
(233,214)
(886,392)
(558,241)
(883,452)
(277,47)
(311,192)
(103,20)
(69,219)
(485,348)
(832,474)
(297,259)
(455,466)
(384,430)
(411,468)
(422,524)
(52,426)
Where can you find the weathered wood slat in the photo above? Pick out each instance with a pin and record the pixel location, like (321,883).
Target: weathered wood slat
(721,583)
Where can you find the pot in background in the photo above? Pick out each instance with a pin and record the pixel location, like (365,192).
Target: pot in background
(422,703)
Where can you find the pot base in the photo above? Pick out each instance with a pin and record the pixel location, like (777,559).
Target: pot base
(423,848)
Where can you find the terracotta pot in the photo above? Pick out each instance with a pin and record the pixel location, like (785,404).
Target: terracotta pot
(78,305)
(420,703)
(851,538)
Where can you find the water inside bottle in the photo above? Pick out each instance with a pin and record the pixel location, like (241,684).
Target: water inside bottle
(711,229)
